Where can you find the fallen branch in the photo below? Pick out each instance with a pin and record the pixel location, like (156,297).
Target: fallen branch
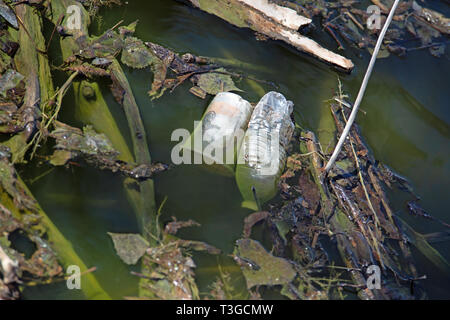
(273,21)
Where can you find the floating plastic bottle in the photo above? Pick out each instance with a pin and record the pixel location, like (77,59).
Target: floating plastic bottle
(217,138)
(262,155)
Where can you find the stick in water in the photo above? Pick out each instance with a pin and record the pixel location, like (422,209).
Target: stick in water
(258,204)
(352,117)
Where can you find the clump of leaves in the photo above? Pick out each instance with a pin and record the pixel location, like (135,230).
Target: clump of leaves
(73,144)
(168,68)
(167,268)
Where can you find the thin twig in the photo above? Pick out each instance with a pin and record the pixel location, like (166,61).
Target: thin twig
(33,283)
(53,32)
(61,94)
(29,35)
(359,98)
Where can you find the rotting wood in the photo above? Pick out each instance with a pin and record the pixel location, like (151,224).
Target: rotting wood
(282,15)
(141,151)
(34,66)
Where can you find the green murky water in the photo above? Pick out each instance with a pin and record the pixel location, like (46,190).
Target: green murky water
(406,125)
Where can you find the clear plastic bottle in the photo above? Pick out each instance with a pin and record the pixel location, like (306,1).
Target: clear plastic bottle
(262,155)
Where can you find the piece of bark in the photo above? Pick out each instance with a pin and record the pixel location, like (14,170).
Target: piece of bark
(282,15)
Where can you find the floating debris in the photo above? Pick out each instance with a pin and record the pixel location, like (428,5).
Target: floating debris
(73,144)
(221,129)
(168,269)
(346,212)
(346,23)
(433,18)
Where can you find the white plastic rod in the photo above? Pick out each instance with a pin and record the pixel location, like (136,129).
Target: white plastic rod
(360,96)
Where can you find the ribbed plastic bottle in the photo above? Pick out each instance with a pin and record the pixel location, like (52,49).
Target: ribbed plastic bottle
(262,155)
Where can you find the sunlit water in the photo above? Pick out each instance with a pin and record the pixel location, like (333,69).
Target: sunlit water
(405,125)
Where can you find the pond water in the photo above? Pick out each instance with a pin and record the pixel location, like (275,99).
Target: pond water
(406,125)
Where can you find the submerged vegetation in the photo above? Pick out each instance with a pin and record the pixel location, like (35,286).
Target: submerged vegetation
(326,230)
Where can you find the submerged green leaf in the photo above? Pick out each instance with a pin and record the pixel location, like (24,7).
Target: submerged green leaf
(215,82)
(260,267)
(135,54)
(129,247)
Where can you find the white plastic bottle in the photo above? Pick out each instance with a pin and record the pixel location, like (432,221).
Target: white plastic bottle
(217,138)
